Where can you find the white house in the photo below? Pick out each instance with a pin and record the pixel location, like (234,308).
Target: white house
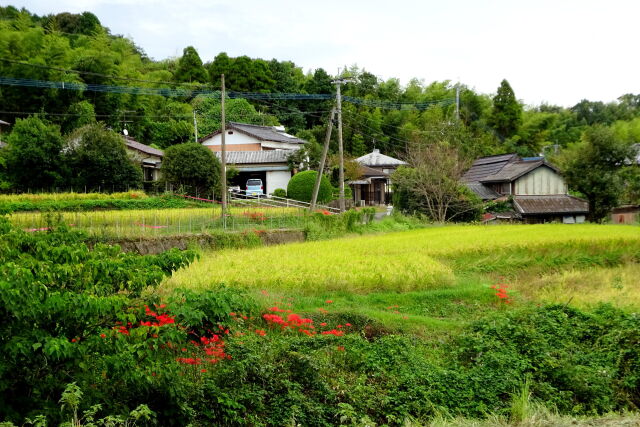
(257,152)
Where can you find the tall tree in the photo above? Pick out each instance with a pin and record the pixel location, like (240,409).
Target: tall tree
(506,116)
(595,167)
(97,159)
(190,68)
(193,167)
(33,157)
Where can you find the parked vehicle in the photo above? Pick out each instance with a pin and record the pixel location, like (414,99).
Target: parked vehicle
(255,187)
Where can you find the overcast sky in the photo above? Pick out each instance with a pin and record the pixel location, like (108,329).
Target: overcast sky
(554,51)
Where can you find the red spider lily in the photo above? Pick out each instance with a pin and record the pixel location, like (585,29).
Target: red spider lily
(333,332)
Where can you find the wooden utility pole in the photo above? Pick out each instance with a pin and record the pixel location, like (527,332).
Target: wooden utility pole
(195,126)
(457,102)
(223,156)
(323,158)
(338,82)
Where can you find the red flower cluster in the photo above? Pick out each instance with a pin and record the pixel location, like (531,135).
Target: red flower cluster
(257,216)
(161,319)
(333,332)
(502,293)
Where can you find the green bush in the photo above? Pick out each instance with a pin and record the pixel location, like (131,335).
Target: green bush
(280,192)
(300,187)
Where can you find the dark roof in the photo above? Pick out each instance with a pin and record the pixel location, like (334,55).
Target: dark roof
(251,157)
(556,204)
(486,166)
(482,191)
(371,172)
(376,159)
(132,143)
(263,133)
(514,170)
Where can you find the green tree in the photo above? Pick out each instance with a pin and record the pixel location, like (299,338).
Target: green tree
(190,68)
(595,167)
(192,167)
(240,110)
(33,155)
(97,159)
(300,187)
(506,116)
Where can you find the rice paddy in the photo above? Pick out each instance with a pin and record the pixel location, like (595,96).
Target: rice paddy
(144,222)
(436,279)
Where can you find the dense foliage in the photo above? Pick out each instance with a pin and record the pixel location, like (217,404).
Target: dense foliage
(191,167)
(387,115)
(301,185)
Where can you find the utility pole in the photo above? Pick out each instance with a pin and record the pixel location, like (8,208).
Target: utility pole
(457,101)
(338,82)
(223,156)
(195,126)
(323,158)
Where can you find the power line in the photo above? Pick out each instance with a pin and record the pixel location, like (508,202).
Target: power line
(186,93)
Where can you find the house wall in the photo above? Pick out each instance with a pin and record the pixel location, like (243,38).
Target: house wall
(277,179)
(238,141)
(539,182)
(235,141)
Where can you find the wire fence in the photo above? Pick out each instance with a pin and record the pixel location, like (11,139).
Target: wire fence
(155,222)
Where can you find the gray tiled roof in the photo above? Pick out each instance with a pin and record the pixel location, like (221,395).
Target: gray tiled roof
(253,157)
(482,191)
(132,143)
(376,159)
(486,166)
(366,171)
(514,170)
(555,204)
(266,133)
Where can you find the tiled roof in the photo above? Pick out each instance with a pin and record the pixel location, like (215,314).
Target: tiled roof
(376,159)
(132,143)
(556,204)
(486,166)
(252,157)
(367,172)
(263,133)
(514,170)
(482,191)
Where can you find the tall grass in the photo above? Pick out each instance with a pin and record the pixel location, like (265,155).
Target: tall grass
(48,197)
(405,261)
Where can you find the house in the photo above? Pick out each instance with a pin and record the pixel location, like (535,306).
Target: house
(537,190)
(373,187)
(246,137)
(257,152)
(270,166)
(149,158)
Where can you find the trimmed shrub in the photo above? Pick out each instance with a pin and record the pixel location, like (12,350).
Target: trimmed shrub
(301,187)
(280,192)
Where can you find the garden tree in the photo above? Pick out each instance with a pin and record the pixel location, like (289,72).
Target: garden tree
(33,160)
(307,156)
(171,124)
(506,116)
(190,68)
(430,184)
(191,167)
(300,187)
(595,166)
(96,159)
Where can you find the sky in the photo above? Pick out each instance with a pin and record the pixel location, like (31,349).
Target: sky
(551,51)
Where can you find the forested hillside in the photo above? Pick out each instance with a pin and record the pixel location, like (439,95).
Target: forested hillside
(110,79)
(77,48)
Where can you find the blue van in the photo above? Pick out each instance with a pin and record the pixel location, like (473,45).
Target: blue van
(255,187)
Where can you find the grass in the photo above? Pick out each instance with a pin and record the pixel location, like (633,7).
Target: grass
(433,281)
(49,197)
(144,222)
